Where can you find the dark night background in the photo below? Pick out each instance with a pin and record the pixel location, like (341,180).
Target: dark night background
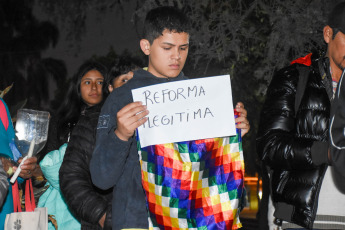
(43,42)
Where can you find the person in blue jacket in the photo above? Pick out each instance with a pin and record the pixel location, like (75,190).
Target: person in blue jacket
(6,147)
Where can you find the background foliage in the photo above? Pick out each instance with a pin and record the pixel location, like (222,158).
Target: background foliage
(249,39)
(22,40)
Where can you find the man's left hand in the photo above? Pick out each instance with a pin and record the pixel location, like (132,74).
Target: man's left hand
(242,121)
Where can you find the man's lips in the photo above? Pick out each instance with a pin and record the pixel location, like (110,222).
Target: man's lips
(174,66)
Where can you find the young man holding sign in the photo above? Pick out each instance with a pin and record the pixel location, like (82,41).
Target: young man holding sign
(115,162)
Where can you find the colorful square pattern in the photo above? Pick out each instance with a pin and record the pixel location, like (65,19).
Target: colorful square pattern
(193,184)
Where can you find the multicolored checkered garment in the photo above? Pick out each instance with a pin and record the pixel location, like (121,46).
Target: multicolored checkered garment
(193,184)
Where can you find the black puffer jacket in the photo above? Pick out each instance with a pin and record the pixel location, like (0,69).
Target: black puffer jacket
(86,202)
(295,146)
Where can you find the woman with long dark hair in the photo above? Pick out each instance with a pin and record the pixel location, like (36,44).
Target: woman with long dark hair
(74,137)
(69,111)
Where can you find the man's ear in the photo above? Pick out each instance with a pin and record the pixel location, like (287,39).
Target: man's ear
(145,46)
(327,34)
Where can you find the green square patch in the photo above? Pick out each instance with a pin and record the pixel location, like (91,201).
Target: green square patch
(182,213)
(191,223)
(144,156)
(205,173)
(183,148)
(212,181)
(194,157)
(233,139)
(151,167)
(222,188)
(202,165)
(158,179)
(173,202)
(233,194)
(166,191)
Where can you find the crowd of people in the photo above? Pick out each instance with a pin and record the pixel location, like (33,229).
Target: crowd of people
(100,177)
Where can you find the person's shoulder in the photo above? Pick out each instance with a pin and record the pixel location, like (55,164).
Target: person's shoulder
(120,92)
(306,62)
(139,73)
(286,77)
(287,72)
(93,111)
(293,71)
(119,97)
(142,78)
(3,104)
(139,77)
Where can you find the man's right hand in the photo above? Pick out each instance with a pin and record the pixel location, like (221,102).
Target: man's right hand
(129,118)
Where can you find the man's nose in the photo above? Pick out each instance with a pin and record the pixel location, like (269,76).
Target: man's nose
(177,54)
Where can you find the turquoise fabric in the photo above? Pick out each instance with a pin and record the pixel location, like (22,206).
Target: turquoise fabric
(5,138)
(52,197)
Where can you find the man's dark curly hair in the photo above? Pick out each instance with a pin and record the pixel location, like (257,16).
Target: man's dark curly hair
(165,18)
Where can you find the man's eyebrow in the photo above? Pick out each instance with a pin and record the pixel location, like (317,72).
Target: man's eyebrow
(170,44)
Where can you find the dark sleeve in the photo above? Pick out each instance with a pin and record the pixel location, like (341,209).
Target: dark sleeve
(3,184)
(52,142)
(81,196)
(110,153)
(277,143)
(337,129)
(338,159)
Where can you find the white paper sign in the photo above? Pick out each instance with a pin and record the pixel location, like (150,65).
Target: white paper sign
(187,110)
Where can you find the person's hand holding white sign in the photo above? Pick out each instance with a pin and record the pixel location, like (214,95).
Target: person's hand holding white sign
(186,110)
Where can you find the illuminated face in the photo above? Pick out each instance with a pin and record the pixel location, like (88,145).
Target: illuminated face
(167,54)
(91,87)
(121,80)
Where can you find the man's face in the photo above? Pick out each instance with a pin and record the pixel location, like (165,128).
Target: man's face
(168,54)
(336,50)
(120,81)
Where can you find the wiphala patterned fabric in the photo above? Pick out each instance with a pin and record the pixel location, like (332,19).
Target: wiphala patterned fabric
(193,184)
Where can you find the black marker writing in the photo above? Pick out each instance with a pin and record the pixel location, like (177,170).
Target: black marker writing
(175,118)
(165,95)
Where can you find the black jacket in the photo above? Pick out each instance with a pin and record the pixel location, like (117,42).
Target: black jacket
(337,128)
(294,146)
(86,202)
(58,135)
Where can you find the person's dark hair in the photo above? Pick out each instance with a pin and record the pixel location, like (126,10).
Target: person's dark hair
(164,17)
(336,19)
(122,66)
(69,111)
(335,31)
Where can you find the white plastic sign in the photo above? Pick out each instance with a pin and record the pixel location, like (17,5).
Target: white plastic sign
(186,110)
